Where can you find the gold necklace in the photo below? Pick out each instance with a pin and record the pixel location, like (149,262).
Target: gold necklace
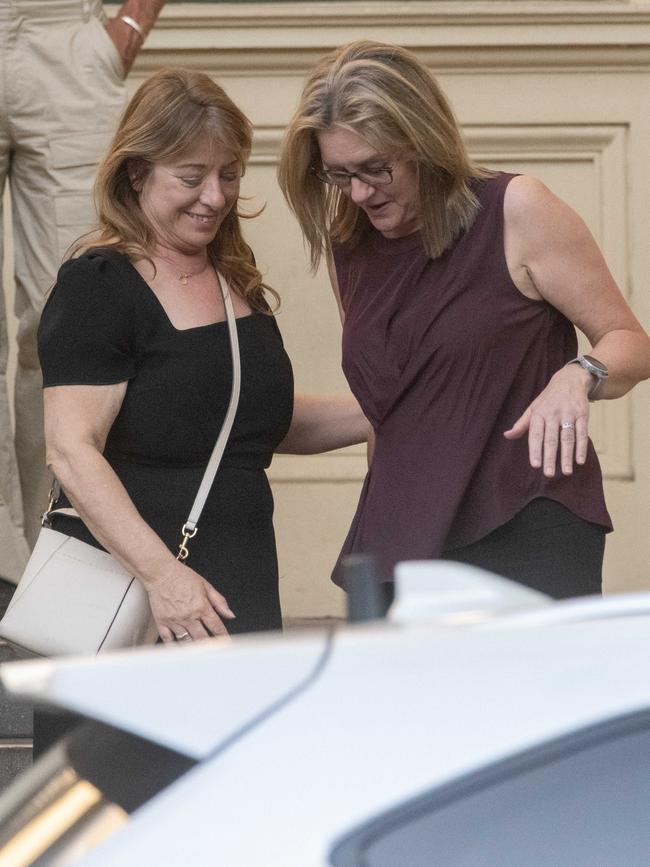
(188,276)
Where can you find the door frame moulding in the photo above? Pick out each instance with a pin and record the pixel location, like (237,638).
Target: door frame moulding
(228,38)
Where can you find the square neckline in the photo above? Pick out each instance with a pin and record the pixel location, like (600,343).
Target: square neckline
(149,291)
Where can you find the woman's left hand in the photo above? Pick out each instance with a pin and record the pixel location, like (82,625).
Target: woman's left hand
(558,418)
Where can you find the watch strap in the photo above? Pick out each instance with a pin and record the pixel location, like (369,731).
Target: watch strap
(599,371)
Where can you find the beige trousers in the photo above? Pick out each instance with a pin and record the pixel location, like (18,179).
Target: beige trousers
(61,93)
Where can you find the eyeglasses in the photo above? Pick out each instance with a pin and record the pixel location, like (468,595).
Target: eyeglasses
(372,177)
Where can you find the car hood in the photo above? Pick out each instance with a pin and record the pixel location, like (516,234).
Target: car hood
(188,697)
(391,714)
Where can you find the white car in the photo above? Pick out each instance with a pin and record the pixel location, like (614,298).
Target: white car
(443,736)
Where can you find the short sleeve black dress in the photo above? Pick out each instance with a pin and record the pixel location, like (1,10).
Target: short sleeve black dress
(102,324)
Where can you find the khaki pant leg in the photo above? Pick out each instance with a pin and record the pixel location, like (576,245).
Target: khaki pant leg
(13,548)
(73,95)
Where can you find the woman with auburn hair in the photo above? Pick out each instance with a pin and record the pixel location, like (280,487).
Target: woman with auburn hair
(137,369)
(459,289)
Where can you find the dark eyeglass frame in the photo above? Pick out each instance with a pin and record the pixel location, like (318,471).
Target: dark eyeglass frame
(327,177)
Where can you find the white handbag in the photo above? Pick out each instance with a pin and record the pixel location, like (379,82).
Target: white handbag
(74,598)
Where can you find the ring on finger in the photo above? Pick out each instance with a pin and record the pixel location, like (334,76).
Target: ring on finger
(183,636)
(567,425)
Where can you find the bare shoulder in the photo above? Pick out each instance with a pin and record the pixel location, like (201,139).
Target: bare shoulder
(544,239)
(527,198)
(552,255)
(538,222)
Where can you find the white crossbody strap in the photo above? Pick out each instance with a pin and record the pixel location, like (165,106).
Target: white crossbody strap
(222,439)
(190,526)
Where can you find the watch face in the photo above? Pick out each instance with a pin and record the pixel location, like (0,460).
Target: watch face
(599,368)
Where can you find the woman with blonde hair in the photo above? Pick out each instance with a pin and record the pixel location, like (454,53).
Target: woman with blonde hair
(137,369)
(459,289)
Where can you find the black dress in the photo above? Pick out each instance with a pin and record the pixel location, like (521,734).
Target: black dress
(102,324)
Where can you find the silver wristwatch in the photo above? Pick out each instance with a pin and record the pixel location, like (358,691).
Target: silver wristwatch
(595,368)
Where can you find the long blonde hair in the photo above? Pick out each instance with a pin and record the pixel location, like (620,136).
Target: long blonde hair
(170,112)
(384,94)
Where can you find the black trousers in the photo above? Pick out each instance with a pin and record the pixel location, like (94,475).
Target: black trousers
(546,547)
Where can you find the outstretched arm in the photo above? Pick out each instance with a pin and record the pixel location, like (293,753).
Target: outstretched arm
(552,256)
(320,424)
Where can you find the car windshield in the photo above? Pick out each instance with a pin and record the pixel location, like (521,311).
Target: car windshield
(579,801)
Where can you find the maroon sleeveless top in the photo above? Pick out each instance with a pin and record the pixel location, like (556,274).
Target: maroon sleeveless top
(444,355)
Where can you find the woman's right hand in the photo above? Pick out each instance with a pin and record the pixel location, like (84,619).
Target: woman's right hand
(185,606)
(182,602)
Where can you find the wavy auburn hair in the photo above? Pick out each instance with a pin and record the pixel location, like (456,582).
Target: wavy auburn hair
(170,112)
(384,94)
